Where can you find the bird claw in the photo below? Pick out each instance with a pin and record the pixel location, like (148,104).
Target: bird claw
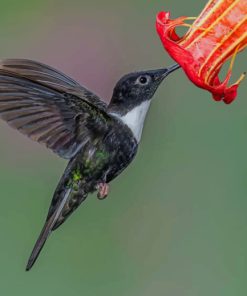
(103,190)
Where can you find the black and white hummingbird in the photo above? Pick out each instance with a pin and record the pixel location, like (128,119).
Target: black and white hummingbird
(99,140)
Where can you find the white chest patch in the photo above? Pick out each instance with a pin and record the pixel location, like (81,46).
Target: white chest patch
(135,118)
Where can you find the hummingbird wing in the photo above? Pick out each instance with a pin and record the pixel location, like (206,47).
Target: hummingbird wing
(49,107)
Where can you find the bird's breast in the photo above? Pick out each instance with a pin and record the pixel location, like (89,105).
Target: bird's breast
(135,119)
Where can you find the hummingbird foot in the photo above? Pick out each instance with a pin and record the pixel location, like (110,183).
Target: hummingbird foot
(103,190)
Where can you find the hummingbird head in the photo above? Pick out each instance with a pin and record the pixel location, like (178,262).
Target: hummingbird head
(132,96)
(135,88)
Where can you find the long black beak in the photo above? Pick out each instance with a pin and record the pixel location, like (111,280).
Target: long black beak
(172,68)
(162,73)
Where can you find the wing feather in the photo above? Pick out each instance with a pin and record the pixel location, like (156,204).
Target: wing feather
(50,77)
(48,106)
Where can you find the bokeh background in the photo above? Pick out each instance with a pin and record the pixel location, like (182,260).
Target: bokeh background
(175,222)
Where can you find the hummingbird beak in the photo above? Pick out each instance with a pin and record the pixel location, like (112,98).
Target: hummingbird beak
(172,69)
(162,73)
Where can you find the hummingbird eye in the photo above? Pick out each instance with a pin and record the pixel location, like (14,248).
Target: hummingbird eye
(143,80)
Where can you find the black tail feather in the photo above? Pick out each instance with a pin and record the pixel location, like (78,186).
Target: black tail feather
(65,201)
(46,231)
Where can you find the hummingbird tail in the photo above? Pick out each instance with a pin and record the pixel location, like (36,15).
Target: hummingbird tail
(46,231)
(71,191)
(39,245)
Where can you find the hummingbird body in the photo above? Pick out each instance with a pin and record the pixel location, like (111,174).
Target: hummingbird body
(100,141)
(98,162)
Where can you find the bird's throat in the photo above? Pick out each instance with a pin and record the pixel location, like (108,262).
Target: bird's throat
(135,118)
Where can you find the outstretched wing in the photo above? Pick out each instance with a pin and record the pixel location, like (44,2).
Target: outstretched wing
(49,107)
(50,77)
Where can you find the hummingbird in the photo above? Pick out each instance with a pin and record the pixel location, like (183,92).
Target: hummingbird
(98,140)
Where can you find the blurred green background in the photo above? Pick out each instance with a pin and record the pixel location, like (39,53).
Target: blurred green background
(175,222)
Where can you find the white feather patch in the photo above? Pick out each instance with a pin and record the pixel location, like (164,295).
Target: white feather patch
(135,118)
